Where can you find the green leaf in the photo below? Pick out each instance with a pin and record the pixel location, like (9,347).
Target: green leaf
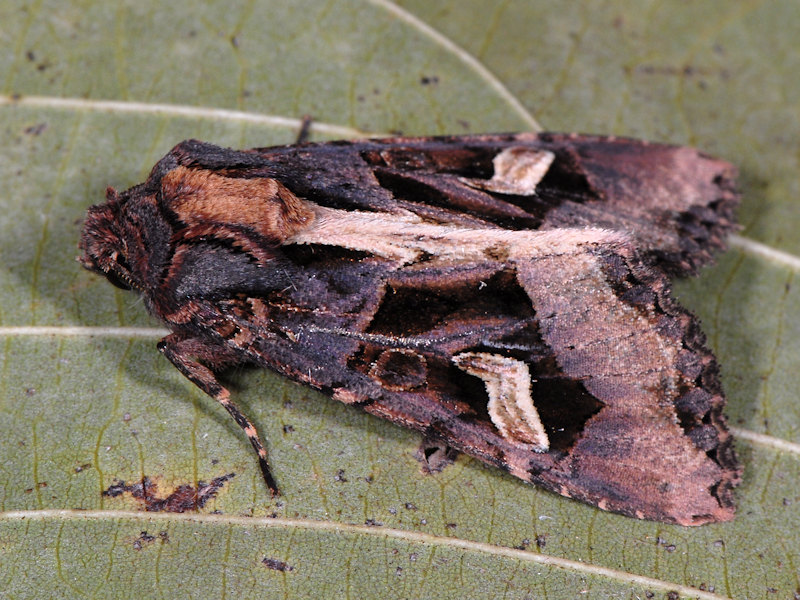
(94,93)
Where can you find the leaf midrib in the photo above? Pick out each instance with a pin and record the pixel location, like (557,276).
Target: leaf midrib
(375,531)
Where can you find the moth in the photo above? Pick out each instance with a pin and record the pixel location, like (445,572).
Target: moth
(506,295)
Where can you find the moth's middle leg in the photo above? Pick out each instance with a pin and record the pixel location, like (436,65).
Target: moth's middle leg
(191,357)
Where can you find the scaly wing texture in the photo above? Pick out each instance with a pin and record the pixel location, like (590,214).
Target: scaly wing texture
(628,395)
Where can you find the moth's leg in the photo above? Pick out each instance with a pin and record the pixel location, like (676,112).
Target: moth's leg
(188,356)
(434,455)
(305,129)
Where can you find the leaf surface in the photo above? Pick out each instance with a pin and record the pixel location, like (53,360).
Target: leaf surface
(94,93)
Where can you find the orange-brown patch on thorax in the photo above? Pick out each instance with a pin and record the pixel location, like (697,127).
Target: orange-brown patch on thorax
(199,196)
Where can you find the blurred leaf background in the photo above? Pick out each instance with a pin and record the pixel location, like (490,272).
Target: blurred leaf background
(94,93)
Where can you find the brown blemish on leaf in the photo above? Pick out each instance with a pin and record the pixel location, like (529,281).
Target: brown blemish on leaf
(146,539)
(276,564)
(184,498)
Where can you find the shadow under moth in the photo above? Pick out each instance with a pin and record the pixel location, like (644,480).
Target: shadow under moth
(505,295)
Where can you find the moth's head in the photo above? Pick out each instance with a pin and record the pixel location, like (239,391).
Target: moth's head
(103,245)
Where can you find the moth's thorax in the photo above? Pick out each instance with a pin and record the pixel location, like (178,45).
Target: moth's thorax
(204,203)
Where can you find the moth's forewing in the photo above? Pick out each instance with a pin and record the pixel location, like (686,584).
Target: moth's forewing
(506,294)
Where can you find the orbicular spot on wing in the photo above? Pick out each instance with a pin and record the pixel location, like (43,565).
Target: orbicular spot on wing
(399,370)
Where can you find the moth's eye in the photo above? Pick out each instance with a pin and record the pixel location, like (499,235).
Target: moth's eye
(122,262)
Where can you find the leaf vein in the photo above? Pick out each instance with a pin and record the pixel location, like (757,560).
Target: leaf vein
(334,527)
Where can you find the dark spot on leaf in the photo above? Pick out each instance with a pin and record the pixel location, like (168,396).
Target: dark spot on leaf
(184,498)
(276,564)
(145,539)
(664,544)
(35,130)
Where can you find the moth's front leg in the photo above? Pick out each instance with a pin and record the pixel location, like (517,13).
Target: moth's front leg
(190,356)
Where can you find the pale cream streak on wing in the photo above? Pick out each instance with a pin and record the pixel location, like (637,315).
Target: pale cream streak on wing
(755,438)
(517,170)
(404,237)
(511,407)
